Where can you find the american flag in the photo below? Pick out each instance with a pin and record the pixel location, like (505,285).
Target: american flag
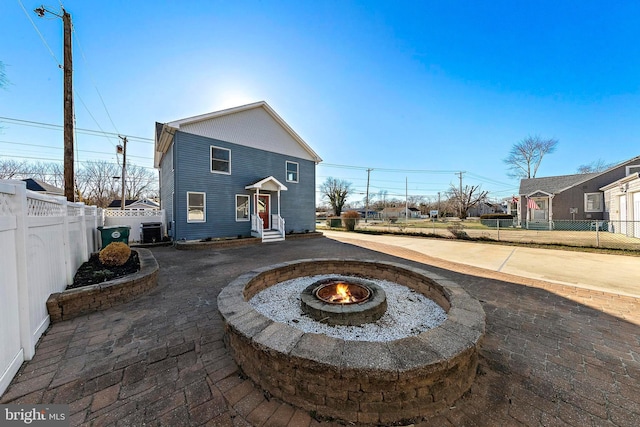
(531,204)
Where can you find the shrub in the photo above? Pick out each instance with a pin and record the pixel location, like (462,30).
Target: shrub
(115,254)
(496,216)
(457,230)
(349,219)
(497,219)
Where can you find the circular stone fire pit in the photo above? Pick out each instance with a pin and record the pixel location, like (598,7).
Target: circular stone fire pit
(363,301)
(356,381)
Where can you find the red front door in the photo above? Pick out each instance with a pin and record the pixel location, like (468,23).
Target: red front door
(264,210)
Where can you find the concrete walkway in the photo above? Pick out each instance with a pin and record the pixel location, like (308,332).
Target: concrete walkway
(617,274)
(553,355)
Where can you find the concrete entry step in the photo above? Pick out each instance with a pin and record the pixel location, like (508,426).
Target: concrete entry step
(271,236)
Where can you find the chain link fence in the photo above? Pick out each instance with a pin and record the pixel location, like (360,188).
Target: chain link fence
(599,234)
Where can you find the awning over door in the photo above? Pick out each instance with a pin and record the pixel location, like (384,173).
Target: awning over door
(267,184)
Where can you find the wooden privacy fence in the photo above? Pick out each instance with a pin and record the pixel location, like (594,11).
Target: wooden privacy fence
(43,241)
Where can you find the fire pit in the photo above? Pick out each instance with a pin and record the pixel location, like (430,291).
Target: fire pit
(357,381)
(336,301)
(336,291)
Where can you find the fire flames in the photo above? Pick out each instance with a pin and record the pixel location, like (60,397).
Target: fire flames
(342,295)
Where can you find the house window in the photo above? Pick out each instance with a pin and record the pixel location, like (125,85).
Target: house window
(292,172)
(632,169)
(196,207)
(242,207)
(220,160)
(593,202)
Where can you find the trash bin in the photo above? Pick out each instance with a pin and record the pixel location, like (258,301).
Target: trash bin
(334,222)
(116,233)
(151,232)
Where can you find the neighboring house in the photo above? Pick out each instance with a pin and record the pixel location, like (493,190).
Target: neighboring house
(370,214)
(622,202)
(569,197)
(43,187)
(236,172)
(133,204)
(400,212)
(482,208)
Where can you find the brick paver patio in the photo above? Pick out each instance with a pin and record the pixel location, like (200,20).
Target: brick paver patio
(552,355)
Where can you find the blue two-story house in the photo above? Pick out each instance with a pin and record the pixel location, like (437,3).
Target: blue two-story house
(237,172)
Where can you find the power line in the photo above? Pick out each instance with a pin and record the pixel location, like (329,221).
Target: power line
(59,148)
(77,39)
(40,34)
(91,132)
(58,160)
(389,170)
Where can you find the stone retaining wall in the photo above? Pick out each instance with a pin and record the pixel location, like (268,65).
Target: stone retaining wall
(88,299)
(356,381)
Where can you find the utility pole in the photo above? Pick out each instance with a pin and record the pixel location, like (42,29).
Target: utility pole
(366,209)
(124,169)
(438,216)
(406,199)
(460,194)
(68,110)
(69,182)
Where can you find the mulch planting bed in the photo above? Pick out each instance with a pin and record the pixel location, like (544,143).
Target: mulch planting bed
(93,271)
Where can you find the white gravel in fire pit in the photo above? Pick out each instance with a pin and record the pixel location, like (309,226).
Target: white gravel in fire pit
(408,312)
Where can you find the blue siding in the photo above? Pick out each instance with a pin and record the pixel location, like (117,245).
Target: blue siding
(192,159)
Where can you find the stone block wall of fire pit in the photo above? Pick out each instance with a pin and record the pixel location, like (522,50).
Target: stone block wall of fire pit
(356,381)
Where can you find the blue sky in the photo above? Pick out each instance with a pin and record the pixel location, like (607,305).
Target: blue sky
(402,86)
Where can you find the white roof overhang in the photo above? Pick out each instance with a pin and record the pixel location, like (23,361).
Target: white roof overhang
(267,184)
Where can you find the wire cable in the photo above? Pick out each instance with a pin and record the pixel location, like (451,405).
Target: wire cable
(58,63)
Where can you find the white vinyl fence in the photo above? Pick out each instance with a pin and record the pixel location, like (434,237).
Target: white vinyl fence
(43,241)
(134,218)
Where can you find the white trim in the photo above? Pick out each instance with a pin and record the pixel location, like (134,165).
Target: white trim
(586,199)
(260,184)
(627,173)
(286,171)
(248,196)
(211,147)
(204,207)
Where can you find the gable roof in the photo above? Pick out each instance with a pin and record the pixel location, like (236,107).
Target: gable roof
(42,187)
(117,203)
(201,125)
(558,184)
(553,184)
(269,183)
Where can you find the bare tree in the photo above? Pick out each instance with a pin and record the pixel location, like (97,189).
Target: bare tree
(335,191)
(52,173)
(3,75)
(10,169)
(470,196)
(525,156)
(96,184)
(141,182)
(595,166)
(415,201)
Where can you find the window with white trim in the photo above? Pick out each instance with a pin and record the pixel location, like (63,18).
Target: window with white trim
(242,207)
(632,169)
(292,171)
(593,202)
(196,207)
(220,160)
